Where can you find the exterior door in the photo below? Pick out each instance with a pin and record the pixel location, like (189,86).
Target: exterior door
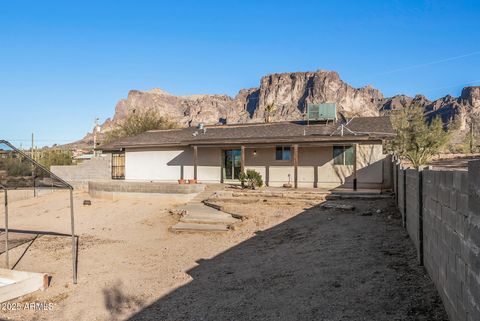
(118,166)
(232,164)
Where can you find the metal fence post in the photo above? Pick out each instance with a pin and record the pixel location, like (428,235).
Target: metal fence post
(404,187)
(397,166)
(420,216)
(7,263)
(74,244)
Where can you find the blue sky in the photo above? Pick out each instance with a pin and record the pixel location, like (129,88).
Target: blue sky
(63,63)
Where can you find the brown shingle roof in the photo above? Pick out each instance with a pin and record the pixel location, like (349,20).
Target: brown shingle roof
(362,128)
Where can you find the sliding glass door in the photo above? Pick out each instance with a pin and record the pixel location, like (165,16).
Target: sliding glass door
(232,164)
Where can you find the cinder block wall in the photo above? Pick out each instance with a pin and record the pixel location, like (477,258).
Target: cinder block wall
(447,229)
(413,209)
(395,183)
(401,195)
(98,168)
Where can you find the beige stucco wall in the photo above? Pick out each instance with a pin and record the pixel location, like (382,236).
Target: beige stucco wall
(314,162)
(209,164)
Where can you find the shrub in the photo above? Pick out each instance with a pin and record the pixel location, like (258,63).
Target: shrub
(251,179)
(137,123)
(417,139)
(52,157)
(16,166)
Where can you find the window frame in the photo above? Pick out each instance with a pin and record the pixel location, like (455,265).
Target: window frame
(283,150)
(343,155)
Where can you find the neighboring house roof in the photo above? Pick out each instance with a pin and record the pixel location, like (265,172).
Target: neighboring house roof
(361,128)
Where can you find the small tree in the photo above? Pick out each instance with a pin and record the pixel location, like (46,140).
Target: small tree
(417,139)
(269,110)
(139,122)
(51,157)
(251,179)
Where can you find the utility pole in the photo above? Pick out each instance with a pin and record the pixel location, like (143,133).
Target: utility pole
(32,155)
(32,149)
(95,130)
(471,136)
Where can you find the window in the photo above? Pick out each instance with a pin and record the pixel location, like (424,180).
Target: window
(283,153)
(343,155)
(118,166)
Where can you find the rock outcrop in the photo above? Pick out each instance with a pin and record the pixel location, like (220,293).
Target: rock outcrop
(185,110)
(289,94)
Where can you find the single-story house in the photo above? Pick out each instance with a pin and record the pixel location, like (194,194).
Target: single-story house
(320,154)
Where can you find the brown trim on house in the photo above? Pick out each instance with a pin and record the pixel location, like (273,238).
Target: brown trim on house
(295,165)
(284,140)
(195,162)
(355,149)
(242,158)
(258,144)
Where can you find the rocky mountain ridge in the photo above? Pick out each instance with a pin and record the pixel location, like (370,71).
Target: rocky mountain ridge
(289,94)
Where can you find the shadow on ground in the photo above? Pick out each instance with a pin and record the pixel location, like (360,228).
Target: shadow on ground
(319,265)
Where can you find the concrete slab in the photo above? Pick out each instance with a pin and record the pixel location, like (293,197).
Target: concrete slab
(201,218)
(341,196)
(197,227)
(335,206)
(14,284)
(209,219)
(200,213)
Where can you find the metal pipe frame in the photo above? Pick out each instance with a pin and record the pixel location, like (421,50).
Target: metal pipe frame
(74,243)
(7,263)
(72,212)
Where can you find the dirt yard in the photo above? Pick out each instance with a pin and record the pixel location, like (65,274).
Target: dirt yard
(282,263)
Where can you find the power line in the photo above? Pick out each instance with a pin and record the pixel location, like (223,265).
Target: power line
(39,140)
(426,64)
(453,86)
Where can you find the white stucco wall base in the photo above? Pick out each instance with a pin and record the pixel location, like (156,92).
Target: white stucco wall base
(152,165)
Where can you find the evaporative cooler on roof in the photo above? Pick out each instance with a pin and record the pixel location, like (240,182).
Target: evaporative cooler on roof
(322,112)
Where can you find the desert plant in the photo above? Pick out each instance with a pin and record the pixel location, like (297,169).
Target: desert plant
(251,179)
(16,166)
(139,122)
(269,110)
(418,139)
(53,157)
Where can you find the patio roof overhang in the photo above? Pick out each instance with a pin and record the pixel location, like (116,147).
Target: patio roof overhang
(311,140)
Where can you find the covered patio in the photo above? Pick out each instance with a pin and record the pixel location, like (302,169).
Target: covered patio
(327,164)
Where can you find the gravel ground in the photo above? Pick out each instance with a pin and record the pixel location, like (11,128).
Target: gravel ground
(318,265)
(289,262)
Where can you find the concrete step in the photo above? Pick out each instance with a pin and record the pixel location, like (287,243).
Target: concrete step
(370,196)
(267,200)
(200,197)
(196,227)
(284,196)
(209,219)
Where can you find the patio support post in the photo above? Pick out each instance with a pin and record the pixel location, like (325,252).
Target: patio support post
(242,155)
(355,166)
(295,165)
(74,243)
(195,161)
(7,263)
